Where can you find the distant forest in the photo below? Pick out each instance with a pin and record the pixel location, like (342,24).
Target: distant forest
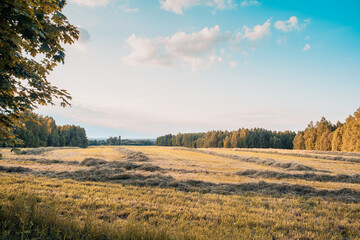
(242,138)
(115,141)
(323,135)
(38,131)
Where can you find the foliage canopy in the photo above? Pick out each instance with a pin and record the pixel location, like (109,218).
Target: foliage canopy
(242,138)
(325,136)
(31,36)
(39,131)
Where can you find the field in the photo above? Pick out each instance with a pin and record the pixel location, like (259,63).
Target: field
(178,193)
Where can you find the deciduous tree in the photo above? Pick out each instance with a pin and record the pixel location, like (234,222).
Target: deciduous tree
(31,36)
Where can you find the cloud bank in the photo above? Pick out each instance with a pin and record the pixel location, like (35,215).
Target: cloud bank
(247,3)
(205,48)
(175,6)
(91,3)
(195,49)
(198,49)
(122,4)
(178,6)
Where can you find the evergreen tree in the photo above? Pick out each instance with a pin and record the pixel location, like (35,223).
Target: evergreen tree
(38,131)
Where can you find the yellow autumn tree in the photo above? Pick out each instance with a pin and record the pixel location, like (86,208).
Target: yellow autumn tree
(299,142)
(351,133)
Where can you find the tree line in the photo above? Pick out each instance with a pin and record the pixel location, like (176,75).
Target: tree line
(116,141)
(113,141)
(322,136)
(325,136)
(242,138)
(39,131)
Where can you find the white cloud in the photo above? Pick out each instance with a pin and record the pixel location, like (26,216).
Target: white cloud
(124,6)
(91,3)
(128,10)
(289,25)
(213,58)
(247,3)
(233,64)
(178,6)
(84,38)
(220,4)
(198,50)
(306,48)
(195,49)
(145,51)
(257,32)
(194,44)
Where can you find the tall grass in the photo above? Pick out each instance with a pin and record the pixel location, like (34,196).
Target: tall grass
(207,197)
(42,208)
(26,217)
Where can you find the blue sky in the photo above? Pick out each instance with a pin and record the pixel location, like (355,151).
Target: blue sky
(146,68)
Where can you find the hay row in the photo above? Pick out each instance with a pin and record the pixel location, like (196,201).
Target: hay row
(135,156)
(118,175)
(41,150)
(307,155)
(267,162)
(338,153)
(303,176)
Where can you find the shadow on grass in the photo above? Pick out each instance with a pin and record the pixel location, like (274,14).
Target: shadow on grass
(164,181)
(312,154)
(266,162)
(303,176)
(118,172)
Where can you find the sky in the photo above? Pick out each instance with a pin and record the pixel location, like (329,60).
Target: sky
(142,69)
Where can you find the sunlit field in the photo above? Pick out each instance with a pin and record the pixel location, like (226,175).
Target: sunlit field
(155,192)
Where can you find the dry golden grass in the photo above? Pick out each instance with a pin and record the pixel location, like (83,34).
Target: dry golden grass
(335,167)
(77,154)
(166,212)
(182,159)
(221,169)
(195,215)
(106,153)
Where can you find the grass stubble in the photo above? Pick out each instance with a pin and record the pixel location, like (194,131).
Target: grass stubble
(160,193)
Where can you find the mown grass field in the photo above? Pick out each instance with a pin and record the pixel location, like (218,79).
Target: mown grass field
(178,193)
